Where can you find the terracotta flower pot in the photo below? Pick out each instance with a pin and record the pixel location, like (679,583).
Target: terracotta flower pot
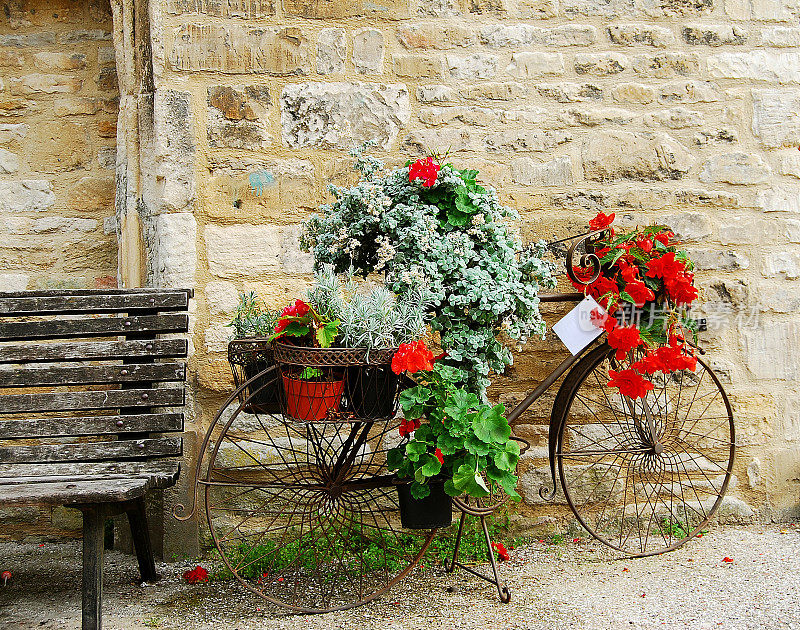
(311,400)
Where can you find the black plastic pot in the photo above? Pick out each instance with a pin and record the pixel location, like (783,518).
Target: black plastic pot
(435,510)
(267,399)
(371,391)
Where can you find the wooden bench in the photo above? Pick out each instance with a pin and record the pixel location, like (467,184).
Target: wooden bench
(89,395)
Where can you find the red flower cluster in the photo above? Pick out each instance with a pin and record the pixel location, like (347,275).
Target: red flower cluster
(501,550)
(637,268)
(198,575)
(298,309)
(439,455)
(407,427)
(426,170)
(412,357)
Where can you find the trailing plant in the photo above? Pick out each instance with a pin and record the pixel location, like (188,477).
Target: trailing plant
(449,432)
(646,285)
(433,227)
(251,318)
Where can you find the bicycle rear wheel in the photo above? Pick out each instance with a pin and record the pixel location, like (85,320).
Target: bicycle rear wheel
(637,494)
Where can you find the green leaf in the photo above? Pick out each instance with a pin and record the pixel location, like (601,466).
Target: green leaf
(476,446)
(505,460)
(448,444)
(467,480)
(295,329)
(327,333)
(450,488)
(490,426)
(310,372)
(461,404)
(419,490)
(627,297)
(431,466)
(414,449)
(395,458)
(418,395)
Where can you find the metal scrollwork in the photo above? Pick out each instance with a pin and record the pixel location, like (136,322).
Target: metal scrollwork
(586,259)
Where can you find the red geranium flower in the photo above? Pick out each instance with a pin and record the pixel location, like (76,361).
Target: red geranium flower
(624,338)
(681,289)
(665,267)
(628,271)
(644,243)
(407,427)
(663,237)
(501,550)
(426,170)
(439,456)
(639,292)
(602,221)
(198,575)
(412,357)
(630,383)
(298,309)
(600,287)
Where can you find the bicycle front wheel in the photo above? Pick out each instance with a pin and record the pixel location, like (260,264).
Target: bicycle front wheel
(643,476)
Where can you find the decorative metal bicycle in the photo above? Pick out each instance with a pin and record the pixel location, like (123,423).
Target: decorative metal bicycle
(304,513)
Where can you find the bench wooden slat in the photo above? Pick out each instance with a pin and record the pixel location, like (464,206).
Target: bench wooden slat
(34,376)
(91,451)
(91,425)
(79,401)
(74,492)
(17,304)
(94,350)
(92,327)
(162,472)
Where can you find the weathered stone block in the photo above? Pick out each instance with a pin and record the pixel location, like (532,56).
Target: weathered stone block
(780,199)
(106,56)
(92,193)
(174,150)
(9,162)
(293,259)
(783,264)
(456,140)
(593,117)
(243,250)
(611,155)
(173,243)
(790,163)
(714,34)
(84,35)
(331,50)
(435,36)
(222,297)
(523,140)
(688,225)
(736,168)
(11,59)
(337,9)
(14,281)
(709,198)
(676,8)
(600,8)
(294,180)
(690,92)
(633,93)
(83,106)
(26,195)
(14,132)
(107,79)
(507,91)
(570,92)
(248,9)
(237,116)
(600,64)
(342,114)
(481,7)
(237,49)
(107,129)
(45,84)
(665,65)
(647,34)
(54,61)
(526,65)
(781,36)
(675,118)
(368,50)
(29,40)
(537,9)
(726,260)
(435,94)
(516,35)
(529,172)
(418,66)
(776,117)
(477,66)
(63,147)
(765,350)
(478,116)
(759,65)
(439,8)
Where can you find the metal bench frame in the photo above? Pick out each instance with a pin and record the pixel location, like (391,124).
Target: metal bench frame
(84,374)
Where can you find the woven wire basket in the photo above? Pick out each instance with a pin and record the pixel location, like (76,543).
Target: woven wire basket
(351,383)
(247,358)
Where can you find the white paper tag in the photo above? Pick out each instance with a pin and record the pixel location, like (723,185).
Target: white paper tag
(576,329)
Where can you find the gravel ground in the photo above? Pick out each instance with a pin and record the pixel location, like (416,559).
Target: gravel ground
(571,585)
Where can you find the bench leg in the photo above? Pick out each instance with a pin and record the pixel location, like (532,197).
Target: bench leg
(94,518)
(140,532)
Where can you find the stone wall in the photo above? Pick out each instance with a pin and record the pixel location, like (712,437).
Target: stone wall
(676,111)
(58,128)
(683,112)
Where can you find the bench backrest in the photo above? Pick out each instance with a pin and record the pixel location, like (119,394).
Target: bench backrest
(87,381)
